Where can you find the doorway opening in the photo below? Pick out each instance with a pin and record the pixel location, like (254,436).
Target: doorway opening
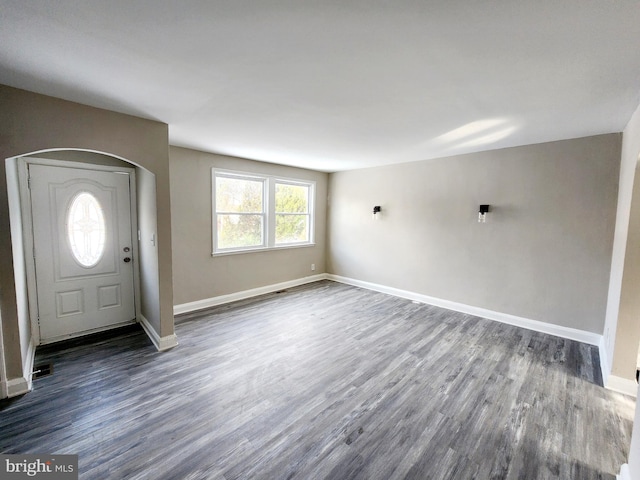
(78,220)
(77,213)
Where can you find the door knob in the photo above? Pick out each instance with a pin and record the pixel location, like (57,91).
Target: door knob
(127,259)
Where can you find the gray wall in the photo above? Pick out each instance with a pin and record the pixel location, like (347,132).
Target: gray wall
(29,123)
(196,274)
(148,261)
(544,253)
(82,157)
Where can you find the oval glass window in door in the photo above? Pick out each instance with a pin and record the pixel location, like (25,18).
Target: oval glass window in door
(86,229)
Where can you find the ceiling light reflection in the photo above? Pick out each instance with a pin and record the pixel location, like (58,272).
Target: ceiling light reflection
(490,138)
(480,132)
(471,129)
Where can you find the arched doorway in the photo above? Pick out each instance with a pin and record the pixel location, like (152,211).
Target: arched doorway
(79,220)
(146,273)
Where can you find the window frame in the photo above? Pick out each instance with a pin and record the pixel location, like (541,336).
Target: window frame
(269,213)
(239,176)
(310,202)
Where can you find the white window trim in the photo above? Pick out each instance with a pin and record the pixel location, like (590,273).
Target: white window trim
(269,226)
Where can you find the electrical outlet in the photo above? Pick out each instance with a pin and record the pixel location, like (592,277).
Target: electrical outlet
(313,267)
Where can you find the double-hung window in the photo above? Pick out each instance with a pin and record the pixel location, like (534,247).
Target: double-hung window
(240,210)
(257,212)
(292,212)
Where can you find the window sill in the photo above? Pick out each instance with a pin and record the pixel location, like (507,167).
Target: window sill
(261,249)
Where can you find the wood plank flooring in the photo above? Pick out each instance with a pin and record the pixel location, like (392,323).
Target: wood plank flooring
(326,381)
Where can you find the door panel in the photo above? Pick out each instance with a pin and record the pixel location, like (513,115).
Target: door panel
(83,250)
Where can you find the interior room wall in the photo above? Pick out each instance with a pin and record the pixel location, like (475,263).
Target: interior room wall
(82,156)
(622,329)
(197,274)
(149,262)
(544,252)
(30,123)
(19,271)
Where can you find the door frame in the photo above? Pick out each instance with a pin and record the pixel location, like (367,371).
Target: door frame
(28,241)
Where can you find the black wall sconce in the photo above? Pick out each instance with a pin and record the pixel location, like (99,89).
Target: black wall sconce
(376,209)
(482,213)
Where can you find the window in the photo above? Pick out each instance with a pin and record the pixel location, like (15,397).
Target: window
(240,211)
(253,212)
(292,212)
(86,229)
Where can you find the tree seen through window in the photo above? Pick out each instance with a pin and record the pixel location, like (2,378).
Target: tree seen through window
(251,211)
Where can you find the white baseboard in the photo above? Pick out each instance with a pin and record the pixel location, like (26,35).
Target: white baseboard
(21,385)
(604,361)
(17,386)
(254,292)
(161,343)
(557,330)
(622,385)
(624,473)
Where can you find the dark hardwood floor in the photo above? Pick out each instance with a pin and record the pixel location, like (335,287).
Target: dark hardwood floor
(326,381)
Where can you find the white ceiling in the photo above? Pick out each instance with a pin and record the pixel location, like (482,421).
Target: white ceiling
(336,84)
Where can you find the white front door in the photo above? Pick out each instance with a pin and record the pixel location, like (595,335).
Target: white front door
(83,250)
